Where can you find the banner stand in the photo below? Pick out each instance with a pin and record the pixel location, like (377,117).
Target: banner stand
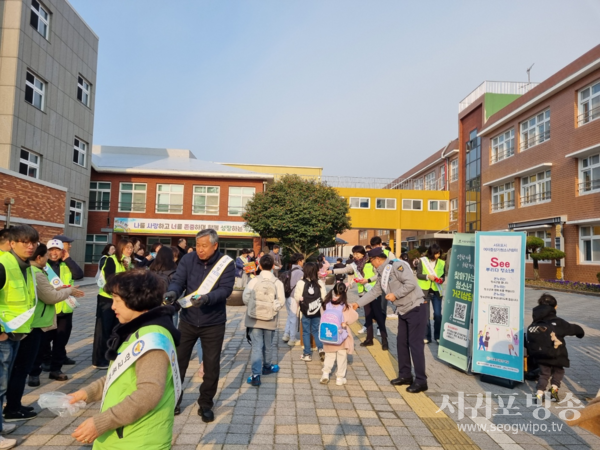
(503,382)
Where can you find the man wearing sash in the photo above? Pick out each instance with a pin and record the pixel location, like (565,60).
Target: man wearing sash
(206,276)
(395,280)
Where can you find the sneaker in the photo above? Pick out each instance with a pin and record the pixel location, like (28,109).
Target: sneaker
(7,443)
(340,381)
(324,379)
(322,354)
(8,428)
(540,399)
(392,316)
(33,381)
(554,395)
(292,342)
(378,332)
(306,358)
(268,370)
(58,376)
(101,366)
(255,380)
(363,330)
(69,362)
(286,337)
(426,341)
(19,415)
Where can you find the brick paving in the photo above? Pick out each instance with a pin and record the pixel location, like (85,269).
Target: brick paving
(292,410)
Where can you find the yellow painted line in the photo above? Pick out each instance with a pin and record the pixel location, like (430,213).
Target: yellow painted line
(441,426)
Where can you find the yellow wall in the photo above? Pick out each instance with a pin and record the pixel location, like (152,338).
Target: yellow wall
(373,218)
(312,172)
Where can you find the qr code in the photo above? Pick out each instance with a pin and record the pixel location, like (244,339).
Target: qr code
(499,315)
(460,311)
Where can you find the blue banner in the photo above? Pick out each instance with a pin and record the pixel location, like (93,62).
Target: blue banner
(499,304)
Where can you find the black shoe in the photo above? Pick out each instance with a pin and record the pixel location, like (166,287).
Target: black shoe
(177,410)
(33,381)
(27,408)
(255,380)
(69,362)
(384,344)
(206,414)
(45,367)
(19,415)
(416,388)
(366,343)
(402,381)
(58,376)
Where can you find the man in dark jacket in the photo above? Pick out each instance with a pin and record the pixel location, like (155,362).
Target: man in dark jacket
(207,277)
(339,265)
(182,248)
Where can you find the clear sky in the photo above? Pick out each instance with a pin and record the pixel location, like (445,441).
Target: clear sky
(358,87)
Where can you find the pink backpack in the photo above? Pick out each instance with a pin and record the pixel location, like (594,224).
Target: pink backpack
(330,328)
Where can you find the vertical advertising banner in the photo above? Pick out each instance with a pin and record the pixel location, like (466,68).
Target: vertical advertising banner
(499,304)
(458,298)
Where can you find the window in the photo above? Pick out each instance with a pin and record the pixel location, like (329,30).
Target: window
(169,198)
(29,164)
(79,152)
(535,130)
(132,197)
(94,244)
(40,18)
(503,197)
(34,90)
(589,103)
(454,170)
(535,188)
(412,205)
(159,240)
(360,203)
(383,232)
(238,198)
(546,236)
(362,235)
(83,90)
(76,213)
(430,184)
(454,210)
(589,174)
(503,146)
(590,243)
(385,203)
(206,200)
(418,184)
(438,205)
(99,196)
(443,176)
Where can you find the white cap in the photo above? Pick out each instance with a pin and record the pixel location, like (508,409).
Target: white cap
(55,243)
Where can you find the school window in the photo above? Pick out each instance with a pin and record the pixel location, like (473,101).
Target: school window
(83,90)
(39,18)
(169,198)
(503,146)
(29,164)
(589,243)
(430,184)
(535,189)
(99,196)
(503,197)
(362,235)
(35,91)
(438,205)
(589,103)
(454,209)
(238,199)
(76,213)
(94,244)
(385,203)
(412,205)
(418,184)
(132,197)
(454,170)
(544,235)
(157,240)
(443,177)
(360,203)
(206,200)
(79,152)
(383,232)
(589,174)
(535,130)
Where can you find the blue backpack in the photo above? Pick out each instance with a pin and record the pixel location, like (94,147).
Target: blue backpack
(330,328)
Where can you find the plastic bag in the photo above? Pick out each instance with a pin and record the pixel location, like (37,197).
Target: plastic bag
(58,403)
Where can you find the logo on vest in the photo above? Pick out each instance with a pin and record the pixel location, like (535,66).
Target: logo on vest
(137,348)
(173,358)
(56,282)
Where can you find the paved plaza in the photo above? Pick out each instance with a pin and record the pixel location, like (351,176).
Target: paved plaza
(292,410)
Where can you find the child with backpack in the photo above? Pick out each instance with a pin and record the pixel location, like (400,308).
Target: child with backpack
(338,343)
(289,280)
(309,293)
(546,344)
(264,297)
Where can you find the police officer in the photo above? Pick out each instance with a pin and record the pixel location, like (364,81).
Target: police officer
(395,280)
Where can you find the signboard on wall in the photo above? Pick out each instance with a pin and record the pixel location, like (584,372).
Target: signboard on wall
(181,227)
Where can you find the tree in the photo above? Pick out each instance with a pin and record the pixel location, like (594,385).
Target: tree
(302,214)
(534,245)
(546,254)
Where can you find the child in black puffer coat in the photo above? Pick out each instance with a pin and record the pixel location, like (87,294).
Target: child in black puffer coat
(546,344)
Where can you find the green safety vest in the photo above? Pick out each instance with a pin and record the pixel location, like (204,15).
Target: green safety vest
(44,314)
(154,431)
(368,272)
(18,294)
(119,268)
(439,272)
(66,277)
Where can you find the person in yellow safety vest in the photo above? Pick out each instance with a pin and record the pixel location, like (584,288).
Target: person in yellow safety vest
(137,407)
(17,301)
(4,241)
(120,261)
(429,268)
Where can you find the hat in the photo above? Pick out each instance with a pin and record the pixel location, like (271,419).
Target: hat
(55,243)
(377,252)
(63,238)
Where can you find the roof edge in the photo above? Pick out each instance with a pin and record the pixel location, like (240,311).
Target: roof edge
(250,175)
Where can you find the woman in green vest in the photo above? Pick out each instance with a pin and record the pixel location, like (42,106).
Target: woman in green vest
(429,268)
(137,407)
(120,261)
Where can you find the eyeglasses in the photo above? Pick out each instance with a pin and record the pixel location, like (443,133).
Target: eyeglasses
(28,244)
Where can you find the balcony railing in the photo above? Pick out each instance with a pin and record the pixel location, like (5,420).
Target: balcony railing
(589,186)
(536,139)
(99,206)
(169,209)
(496,87)
(499,156)
(535,198)
(132,206)
(501,206)
(418,185)
(588,115)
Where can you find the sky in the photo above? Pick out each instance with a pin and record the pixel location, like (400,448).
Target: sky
(357,87)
